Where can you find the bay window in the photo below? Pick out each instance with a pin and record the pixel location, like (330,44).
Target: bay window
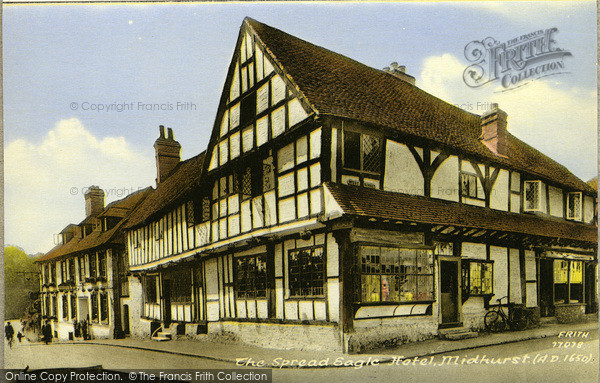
(568,281)
(477,277)
(392,274)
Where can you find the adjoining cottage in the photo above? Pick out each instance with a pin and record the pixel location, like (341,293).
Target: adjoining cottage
(84,276)
(340,207)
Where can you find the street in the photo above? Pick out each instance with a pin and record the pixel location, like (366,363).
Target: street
(540,360)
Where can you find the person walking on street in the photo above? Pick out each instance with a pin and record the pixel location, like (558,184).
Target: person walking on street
(47,332)
(9,332)
(19,336)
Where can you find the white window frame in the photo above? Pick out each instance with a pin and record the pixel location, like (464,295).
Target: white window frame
(578,214)
(539,199)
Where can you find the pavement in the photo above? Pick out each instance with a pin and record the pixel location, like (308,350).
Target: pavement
(251,355)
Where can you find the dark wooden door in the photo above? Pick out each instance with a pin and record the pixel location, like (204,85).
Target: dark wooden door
(546,287)
(166,290)
(449,291)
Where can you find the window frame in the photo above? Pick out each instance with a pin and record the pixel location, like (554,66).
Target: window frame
(538,207)
(579,214)
(252,292)
(300,274)
(431,276)
(466,269)
(361,160)
(472,177)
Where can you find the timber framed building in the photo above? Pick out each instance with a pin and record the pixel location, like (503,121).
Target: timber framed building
(85,275)
(340,207)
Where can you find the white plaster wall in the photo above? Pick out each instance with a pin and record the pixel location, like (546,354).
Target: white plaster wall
(212,289)
(530,278)
(515,277)
(473,250)
(444,184)
(473,312)
(556,201)
(500,258)
(500,193)
(402,173)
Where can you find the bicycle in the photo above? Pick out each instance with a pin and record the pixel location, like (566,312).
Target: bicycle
(497,320)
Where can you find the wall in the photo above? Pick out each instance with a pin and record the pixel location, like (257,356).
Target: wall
(139,328)
(402,173)
(281,336)
(500,257)
(588,209)
(556,201)
(444,184)
(385,332)
(500,194)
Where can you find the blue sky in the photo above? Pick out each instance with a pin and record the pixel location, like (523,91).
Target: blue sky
(59,59)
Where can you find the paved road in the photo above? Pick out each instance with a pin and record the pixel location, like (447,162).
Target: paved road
(512,362)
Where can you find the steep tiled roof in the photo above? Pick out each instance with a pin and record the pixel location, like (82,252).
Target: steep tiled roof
(373,203)
(184,178)
(339,86)
(98,238)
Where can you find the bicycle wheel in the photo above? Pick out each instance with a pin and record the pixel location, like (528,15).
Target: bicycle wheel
(494,322)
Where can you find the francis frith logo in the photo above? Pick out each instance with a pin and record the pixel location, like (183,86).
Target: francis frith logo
(515,62)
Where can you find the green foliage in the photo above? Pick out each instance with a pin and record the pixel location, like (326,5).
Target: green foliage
(20,279)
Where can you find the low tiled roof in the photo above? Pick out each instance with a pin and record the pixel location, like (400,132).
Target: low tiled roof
(98,238)
(184,178)
(339,86)
(371,203)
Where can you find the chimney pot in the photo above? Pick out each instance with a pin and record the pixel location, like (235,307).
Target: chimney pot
(162,131)
(170,137)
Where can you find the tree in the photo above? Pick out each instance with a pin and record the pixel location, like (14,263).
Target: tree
(21,278)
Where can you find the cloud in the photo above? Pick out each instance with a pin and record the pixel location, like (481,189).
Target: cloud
(45,182)
(554,118)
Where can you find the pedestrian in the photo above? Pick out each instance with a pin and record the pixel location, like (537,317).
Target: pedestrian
(47,332)
(19,336)
(9,332)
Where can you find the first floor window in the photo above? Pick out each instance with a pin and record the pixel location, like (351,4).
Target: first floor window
(574,206)
(568,281)
(362,152)
(307,272)
(251,276)
(477,277)
(468,185)
(391,274)
(533,191)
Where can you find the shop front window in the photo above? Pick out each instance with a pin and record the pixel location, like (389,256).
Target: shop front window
(390,274)
(568,281)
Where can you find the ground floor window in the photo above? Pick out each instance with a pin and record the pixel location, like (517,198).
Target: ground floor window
(251,276)
(181,286)
(477,277)
(65,306)
(150,294)
(568,281)
(392,274)
(306,271)
(73,307)
(94,299)
(104,308)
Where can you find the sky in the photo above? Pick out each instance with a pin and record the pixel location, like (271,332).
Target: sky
(87,85)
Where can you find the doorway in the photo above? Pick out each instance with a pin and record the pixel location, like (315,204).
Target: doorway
(546,287)
(449,289)
(125,314)
(166,293)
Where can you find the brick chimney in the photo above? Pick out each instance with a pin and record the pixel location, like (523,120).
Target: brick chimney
(494,131)
(168,154)
(400,71)
(94,201)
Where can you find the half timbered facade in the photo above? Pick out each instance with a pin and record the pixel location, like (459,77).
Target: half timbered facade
(84,276)
(340,207)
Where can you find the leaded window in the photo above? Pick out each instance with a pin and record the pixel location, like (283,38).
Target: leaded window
(181,286)
(251,277)
(306,272)
(533,190)
(362,152)
(468,185)
(574,206)
(477,277)
(391,274)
